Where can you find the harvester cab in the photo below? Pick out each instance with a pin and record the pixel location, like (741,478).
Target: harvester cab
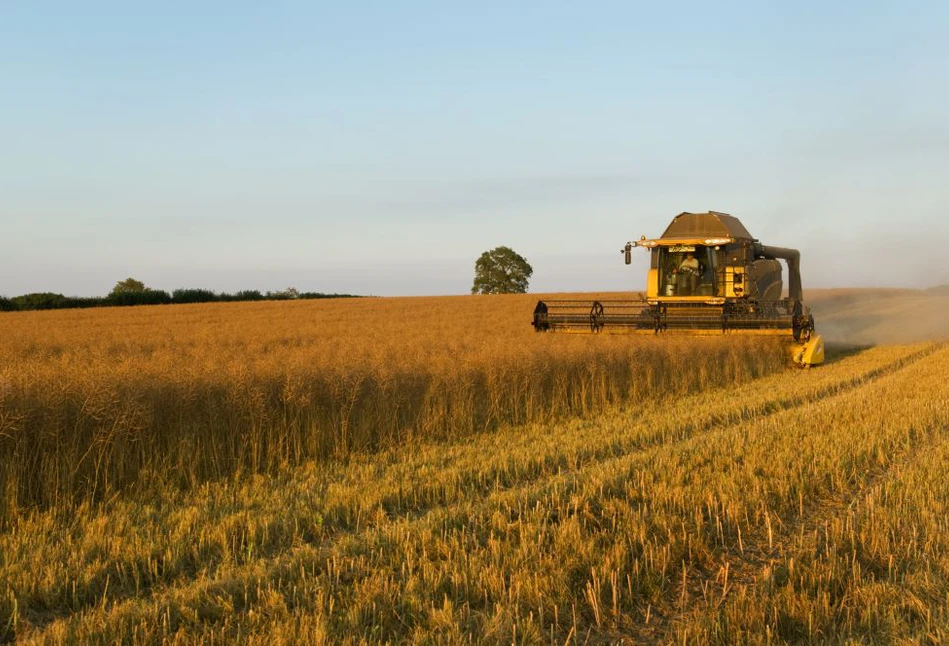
(707,275)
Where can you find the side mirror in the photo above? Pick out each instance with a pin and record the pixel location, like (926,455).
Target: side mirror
(629,252)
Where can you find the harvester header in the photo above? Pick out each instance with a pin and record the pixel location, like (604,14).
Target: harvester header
(707,275)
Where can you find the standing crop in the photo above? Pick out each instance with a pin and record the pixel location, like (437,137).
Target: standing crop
(96,401)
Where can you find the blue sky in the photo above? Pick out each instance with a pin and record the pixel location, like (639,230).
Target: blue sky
(380,147)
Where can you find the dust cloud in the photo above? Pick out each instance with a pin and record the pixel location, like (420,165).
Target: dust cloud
(879,316)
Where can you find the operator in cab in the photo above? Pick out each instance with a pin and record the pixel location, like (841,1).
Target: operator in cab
(689,273)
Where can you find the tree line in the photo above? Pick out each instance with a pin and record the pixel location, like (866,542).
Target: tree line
(134,292)
(498,271)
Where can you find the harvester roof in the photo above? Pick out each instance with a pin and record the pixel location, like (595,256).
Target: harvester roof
(705,225)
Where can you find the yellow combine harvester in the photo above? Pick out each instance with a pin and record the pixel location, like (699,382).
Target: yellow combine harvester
(707,275)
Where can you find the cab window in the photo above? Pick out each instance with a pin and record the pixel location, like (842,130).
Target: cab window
(689,270)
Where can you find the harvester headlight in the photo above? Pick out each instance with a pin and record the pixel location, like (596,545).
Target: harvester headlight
(717,241)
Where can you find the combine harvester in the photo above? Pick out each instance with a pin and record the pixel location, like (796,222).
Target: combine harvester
(707,275)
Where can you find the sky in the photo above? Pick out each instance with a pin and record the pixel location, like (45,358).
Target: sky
(381,147)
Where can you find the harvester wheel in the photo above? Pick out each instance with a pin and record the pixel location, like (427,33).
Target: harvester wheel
(596,314)
(807,329)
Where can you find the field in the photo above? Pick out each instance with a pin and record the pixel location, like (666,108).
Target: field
(431,470)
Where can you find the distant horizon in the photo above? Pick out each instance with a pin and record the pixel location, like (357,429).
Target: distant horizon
(819,287)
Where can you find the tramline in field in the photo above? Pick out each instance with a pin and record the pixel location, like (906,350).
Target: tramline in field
(707,275)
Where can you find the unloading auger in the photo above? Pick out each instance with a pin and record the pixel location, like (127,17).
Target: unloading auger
(707,275)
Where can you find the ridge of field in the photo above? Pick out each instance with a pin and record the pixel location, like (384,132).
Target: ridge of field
(750,513)
(93,402)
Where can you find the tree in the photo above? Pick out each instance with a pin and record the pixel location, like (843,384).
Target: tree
(39,301)
(144,297)
(288,294)
(134,292)
(501,271)
(249,295)
(127,285)
(193,296)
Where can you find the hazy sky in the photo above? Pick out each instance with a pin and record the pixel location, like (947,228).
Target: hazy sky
(380,147)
